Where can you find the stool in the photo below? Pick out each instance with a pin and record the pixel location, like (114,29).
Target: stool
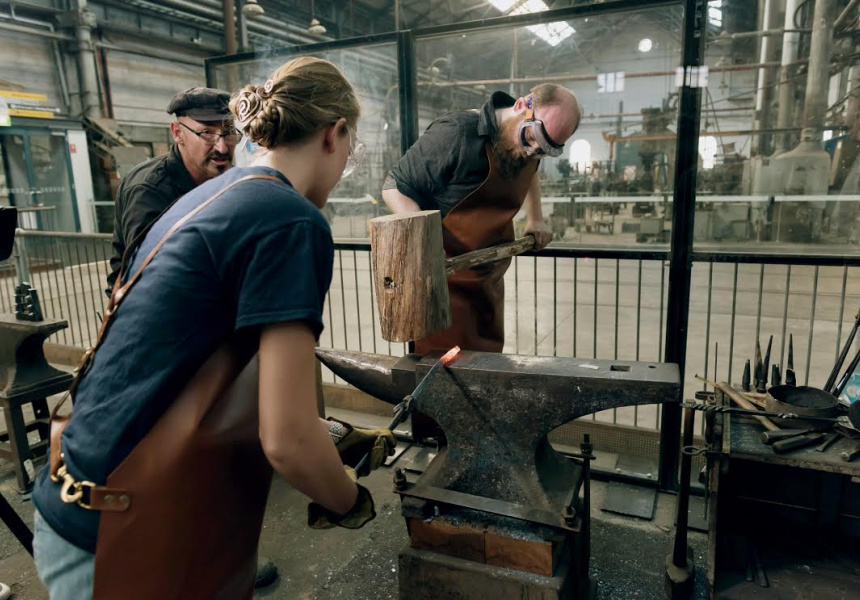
(27,378)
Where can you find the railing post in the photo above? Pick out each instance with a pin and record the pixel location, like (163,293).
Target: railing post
(680,256)
(22,263)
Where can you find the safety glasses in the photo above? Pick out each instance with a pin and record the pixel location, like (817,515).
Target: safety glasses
(357,152)
(533,136)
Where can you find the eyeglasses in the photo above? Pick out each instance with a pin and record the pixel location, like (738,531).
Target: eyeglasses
(357,152)
(231,138)
(533,136)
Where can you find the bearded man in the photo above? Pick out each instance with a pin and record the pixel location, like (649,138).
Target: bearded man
(478,167)
(204,139)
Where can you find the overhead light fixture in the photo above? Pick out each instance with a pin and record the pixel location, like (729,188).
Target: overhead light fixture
(315,27)
(645,45)
(252,8)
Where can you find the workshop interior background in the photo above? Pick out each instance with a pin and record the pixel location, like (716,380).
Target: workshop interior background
(772,134)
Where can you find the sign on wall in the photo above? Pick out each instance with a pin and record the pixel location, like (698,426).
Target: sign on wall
(25,104)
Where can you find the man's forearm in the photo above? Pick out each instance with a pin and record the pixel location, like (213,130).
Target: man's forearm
(399,203)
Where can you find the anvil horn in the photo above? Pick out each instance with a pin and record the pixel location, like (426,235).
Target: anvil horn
(378,375)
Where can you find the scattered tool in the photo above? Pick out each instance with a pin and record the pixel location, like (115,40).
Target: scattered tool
(410,272)
(790,376)
(760,385)
(770,437)
(828,441)
(738,399)
(834,373)
(805,401)
(775,376)
(765,368)
(846,375)
(797,442)
(404,408)
(745,382)
(850,455)
(763,414)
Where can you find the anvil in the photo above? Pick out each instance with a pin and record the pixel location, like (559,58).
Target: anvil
(496,411)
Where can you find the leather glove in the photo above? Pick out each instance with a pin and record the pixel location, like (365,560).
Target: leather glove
(364,511)
(356,442)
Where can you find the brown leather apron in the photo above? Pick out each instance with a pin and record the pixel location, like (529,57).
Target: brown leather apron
(182,514)
(483,218)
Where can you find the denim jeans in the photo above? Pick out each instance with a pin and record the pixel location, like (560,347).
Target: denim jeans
(65,569)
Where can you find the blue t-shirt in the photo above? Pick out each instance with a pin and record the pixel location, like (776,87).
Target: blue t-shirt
(261,253)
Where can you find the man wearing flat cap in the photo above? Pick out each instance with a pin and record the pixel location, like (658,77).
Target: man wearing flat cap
(205,139)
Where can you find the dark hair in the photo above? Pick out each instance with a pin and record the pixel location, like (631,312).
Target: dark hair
(303,96)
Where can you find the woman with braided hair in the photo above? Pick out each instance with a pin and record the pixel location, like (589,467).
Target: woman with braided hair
(159,477)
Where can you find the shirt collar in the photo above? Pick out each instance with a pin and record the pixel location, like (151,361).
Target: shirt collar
(179,174)
(487,124)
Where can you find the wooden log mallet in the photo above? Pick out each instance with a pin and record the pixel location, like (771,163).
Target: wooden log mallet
(410,272)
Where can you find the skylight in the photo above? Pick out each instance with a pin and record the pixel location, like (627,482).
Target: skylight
(552,33)
(715,12)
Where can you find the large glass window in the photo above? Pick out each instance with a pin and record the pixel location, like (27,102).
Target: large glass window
(613,183)
(782,104)
(373,72)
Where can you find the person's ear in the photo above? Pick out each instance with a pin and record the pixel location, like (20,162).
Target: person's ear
(332,133)
(176,131)
(521,104)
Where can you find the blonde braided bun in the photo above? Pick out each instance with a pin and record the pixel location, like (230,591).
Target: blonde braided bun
(303,96)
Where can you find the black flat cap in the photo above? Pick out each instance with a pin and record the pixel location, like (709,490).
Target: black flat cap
(200,104)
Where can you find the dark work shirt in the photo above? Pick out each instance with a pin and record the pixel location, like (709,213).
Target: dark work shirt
(449,161)
(146,192)
(259,254)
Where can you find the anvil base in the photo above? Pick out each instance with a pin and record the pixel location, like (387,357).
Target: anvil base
(427,575)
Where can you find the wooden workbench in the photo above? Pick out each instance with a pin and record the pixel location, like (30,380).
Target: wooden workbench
(799,513)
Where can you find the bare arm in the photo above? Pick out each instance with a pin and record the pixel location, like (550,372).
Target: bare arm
(397,202)
(534,215)
(295,441)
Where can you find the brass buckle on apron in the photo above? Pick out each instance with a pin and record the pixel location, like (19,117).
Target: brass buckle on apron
(72,492)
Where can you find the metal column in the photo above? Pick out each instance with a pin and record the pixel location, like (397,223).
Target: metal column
(84,21)
(680,261)
(407,77)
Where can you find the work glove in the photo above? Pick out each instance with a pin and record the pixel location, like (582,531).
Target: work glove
(362,512)
(355,442)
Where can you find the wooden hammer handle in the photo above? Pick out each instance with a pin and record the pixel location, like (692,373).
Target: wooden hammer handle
(744,403)
(489,255)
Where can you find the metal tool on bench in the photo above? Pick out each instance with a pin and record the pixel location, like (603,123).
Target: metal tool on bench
(790,376)
(404,407)
(410,272)
(496,411)
(834,372)
(841,420)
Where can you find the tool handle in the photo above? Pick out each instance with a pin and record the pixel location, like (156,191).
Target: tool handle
(489,255)
(801,441)
(744,403)
(401,411)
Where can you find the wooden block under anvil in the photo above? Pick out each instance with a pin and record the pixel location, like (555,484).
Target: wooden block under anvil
(23,366)
(449,556)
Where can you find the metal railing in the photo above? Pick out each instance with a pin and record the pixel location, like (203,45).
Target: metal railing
(577,302)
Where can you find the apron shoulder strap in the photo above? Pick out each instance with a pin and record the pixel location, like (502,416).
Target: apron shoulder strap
(120,291)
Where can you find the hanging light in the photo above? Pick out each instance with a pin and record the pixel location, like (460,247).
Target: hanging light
(252,8)
(315,27)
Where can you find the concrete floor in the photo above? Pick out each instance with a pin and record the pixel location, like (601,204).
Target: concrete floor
(627,554)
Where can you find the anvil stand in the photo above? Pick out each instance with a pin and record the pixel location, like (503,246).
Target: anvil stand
(26,378)
(489,549)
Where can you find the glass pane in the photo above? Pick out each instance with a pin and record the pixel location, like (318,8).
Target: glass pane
(373,73)
(16,185)
(779,168)
(613,183)
(51,186)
